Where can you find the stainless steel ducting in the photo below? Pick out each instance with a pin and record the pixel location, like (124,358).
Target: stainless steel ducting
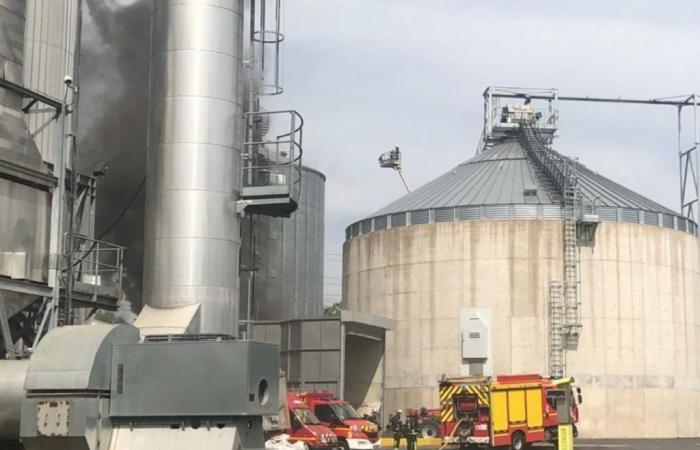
(192,236)
(12,375)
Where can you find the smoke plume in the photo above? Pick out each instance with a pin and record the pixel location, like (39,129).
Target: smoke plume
(113,122)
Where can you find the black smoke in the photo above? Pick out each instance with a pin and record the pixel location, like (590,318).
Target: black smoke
(113,76)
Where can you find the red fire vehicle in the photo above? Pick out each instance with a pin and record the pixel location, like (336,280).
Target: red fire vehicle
(512,410)
(428,421)
(305,427)
(353,432)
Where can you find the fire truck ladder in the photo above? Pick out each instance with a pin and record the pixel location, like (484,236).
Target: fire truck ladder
(565,325)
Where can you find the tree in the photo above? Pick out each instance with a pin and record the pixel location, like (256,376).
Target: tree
(332,310)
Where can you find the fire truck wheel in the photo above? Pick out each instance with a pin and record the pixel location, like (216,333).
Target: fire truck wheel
(343,445)
(517,441)
(430,429)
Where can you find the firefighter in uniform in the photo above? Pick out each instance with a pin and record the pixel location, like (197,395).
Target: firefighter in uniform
(411,432)
(396,428)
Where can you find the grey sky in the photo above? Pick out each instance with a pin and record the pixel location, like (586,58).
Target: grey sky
(371,74)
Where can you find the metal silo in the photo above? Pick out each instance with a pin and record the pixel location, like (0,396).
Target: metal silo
(192,235)
(25,182)
(468,264)
(286,280)
(50,41)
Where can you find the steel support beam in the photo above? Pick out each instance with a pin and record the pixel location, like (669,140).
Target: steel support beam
(32,288)
(5,329)
(689,163)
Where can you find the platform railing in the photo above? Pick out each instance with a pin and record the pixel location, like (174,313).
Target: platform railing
(95,263)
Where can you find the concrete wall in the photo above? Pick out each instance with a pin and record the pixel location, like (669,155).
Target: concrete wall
(637,361)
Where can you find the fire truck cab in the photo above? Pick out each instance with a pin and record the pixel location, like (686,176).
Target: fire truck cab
(508,410)
(353,432)
(305,427)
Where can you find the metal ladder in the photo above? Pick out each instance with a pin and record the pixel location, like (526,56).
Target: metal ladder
(557,362)
(565,307)
(572,327)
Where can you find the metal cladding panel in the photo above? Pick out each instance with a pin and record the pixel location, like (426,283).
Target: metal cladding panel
(244,382)
(50,41)
(16,143)
(12,374)
(501,175)
(24,223)
(25,231)
(288,257)
(77,357)
(193,161)
(503,183)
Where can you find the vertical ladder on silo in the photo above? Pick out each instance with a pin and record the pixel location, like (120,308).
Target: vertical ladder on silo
(557,169)
(557,362)
(571,263)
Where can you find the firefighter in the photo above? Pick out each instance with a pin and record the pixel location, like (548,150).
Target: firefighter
(396,428)
(411,432)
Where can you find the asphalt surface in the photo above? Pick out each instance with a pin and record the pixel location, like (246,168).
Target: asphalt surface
(619,444)
(637,444)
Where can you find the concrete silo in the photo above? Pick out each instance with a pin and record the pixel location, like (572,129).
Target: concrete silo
(465,264)
(287,283)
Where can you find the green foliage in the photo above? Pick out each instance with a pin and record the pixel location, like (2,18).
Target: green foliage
(332,310)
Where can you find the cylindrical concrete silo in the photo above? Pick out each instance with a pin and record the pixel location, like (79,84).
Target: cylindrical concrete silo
(287,282)
(481,244)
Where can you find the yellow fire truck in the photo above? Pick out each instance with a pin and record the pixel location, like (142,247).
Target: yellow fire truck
(509,410)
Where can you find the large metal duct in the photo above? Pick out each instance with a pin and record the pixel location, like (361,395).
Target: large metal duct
(12,375)
(192,236)
(288,258)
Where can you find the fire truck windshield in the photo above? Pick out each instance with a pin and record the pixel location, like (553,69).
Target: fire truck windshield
(345,411)
(306,416)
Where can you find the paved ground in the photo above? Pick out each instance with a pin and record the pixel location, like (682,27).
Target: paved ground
(638,444)
(618,444)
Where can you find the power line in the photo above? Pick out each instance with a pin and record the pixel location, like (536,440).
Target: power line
(121,214)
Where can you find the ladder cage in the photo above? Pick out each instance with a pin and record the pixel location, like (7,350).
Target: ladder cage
(271,160)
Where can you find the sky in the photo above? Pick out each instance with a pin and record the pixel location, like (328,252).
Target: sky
(371,74)
(368,75)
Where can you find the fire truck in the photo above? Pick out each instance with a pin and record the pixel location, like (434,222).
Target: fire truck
(353,431)
(508,410)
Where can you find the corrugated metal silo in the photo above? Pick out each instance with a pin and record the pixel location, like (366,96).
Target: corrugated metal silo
(25,183)
(50,40)
(288,278)
(477,248)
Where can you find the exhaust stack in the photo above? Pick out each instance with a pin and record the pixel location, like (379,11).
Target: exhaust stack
(192,236)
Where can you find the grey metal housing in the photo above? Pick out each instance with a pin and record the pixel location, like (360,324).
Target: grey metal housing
(166,379)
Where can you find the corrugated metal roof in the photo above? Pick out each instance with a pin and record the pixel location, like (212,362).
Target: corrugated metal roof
(501,175)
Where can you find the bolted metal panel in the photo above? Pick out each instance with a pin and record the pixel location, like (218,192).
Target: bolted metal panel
(192,236)
(288,261)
